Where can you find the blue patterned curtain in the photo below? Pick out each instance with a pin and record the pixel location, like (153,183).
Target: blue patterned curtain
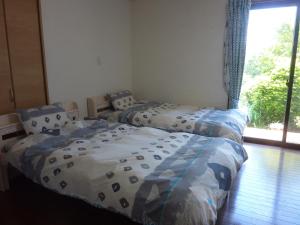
(235,48)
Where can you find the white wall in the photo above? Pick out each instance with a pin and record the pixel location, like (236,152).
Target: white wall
(178,51)
(176,45)
(75,33)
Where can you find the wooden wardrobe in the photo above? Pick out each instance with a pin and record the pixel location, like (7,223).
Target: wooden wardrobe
(22,77)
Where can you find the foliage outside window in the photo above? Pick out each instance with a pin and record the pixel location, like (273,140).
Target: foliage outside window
(265,81)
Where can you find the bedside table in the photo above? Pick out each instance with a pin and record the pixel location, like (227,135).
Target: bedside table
(4,183)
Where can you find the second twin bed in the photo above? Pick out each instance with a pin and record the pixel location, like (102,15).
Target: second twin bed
(170,117)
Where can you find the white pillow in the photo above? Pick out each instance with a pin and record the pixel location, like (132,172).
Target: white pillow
(46,119)
(121,100)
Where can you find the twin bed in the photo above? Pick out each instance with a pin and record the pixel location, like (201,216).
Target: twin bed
(170,117)
(149,175)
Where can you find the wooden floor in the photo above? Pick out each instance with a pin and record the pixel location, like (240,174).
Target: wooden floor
(267,191)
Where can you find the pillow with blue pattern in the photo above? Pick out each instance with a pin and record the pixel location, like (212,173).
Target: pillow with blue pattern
(47,119)
(121,100)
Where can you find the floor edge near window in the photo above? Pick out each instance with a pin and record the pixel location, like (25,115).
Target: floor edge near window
(271,143)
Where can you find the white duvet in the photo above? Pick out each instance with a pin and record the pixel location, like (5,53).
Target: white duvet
(149,175)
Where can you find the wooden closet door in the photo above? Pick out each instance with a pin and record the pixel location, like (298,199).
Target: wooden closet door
(6,101)
(24,38)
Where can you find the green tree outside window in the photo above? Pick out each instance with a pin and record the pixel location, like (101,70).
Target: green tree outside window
(269,71)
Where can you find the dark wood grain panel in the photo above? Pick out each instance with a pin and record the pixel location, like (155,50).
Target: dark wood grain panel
(24,38)
(266,192)
(6,102)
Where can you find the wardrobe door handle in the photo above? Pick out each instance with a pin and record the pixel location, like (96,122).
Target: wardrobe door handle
(11,95)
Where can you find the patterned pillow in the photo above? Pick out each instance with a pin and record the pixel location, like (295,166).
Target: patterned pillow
(121,100)
(46,119)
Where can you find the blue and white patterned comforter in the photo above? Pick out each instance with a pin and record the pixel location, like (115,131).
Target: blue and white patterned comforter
(149,175)
(180,118)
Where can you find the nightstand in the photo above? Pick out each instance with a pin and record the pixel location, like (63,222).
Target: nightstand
(4,183)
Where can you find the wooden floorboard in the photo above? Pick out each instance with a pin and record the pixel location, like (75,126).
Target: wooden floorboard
(267,189)
(266,192)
